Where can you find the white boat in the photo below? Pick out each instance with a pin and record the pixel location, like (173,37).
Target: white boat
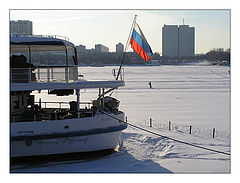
(39,130)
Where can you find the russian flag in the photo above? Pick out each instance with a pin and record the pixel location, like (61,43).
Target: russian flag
(140,44)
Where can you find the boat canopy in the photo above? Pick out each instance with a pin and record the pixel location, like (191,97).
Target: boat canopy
(22,43)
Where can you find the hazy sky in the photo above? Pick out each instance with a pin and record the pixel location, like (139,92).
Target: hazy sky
(109,27)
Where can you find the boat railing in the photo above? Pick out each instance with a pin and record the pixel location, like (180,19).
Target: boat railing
(121,73)
(44,74)
(53,111)
(86,105)
(53,36)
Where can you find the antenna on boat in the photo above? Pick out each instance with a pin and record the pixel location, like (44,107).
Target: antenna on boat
(119,70)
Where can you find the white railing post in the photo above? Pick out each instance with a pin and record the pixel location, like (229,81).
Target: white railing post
(52,73)
(66,74)
(48,74)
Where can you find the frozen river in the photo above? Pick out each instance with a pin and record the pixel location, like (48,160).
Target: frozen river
(185,95)
(190,95)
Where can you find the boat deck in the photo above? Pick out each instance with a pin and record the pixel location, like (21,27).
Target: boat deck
(81,84)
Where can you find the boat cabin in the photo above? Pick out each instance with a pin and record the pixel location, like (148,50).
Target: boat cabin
(47,63)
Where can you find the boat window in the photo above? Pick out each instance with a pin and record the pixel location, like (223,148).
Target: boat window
(52,58)
(49,56)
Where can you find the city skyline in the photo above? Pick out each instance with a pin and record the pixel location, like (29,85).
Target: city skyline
(91,27)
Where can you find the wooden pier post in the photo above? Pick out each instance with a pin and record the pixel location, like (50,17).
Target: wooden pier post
(190,130)
(150,122)
(213,133)
(169,125)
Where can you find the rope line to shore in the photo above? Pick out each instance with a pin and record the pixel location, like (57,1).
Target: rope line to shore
(183,142)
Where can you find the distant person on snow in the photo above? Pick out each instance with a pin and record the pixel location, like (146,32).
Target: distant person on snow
(150,85)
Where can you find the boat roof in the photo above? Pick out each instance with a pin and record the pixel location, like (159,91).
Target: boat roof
(83,84)
(19,42)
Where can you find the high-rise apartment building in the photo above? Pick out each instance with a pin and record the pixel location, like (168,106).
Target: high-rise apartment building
(119,48)
(186,43)
(81,49)
(21,27)
(170,40)
(100,48)
(178,40)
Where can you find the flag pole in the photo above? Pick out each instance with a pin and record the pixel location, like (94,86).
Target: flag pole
(119,70)
(134,20)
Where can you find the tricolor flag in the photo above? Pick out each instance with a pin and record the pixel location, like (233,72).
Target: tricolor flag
(140,44)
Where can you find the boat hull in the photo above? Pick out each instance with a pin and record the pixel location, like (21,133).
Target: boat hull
(81,135)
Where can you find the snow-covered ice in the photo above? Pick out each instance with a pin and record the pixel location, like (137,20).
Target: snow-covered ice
(185,95)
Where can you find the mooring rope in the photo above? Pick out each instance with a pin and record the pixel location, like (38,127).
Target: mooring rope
(183,142)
